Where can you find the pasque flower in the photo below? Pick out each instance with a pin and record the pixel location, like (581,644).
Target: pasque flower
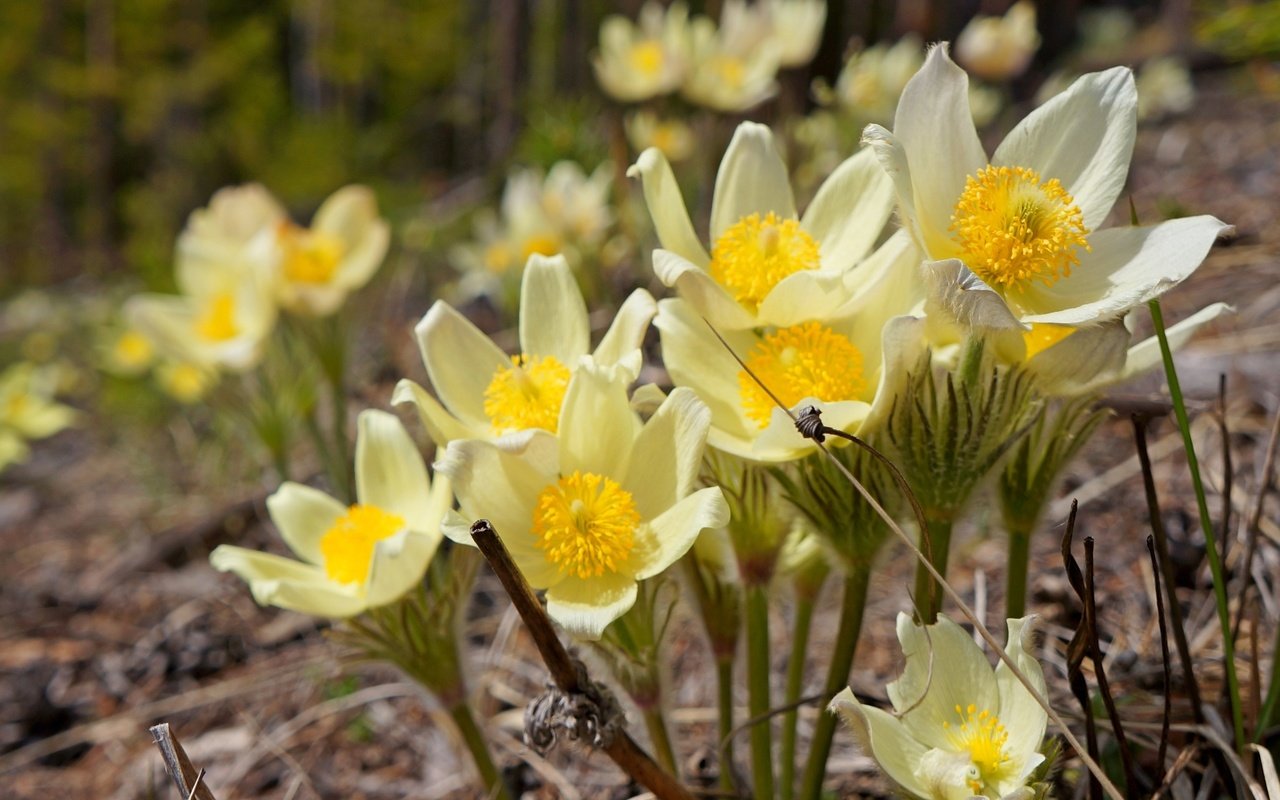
(605,503)
(767,265)
(352,558)
(1000,48)
(484,393)
(959,729)
(1013,243)
(639,61)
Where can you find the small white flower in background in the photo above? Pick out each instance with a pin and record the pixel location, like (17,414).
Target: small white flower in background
(873,78)
(734,68)
(352,558)
(236,219)
(959,729)
(796,28)
(28,409)
(1164,87)
(184,381)
(671,136)
(640,61)
(1000,48)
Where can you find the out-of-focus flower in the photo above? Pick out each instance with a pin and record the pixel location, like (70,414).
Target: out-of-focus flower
(28,410)
(605,503)
(796,28)
(766,266)
(671,136)
(1164,87)
(1012,244)
(1000,48)
(184,381)
(985,103)
(959,729)
(733,68)
(237,219)
(486,394)
(638,62)
(130,353)
(352,558)
(872,80)
(221,318)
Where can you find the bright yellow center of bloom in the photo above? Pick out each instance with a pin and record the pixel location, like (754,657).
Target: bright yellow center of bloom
(132,350)
(983,738)
(647,57)
(1014,227)
(310,256)
(754,254)
(348,546)
(185,383)
(730,70)
(544,244)
(808,360)
(218,322)
(586,524)
(1044,335)
(527,394)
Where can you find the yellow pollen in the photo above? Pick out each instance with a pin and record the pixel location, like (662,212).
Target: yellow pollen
(754,254)
(808,360)
(646,57)
(730,70)
(981,736)
(1044,335)
(1014,228)
(309,256)
(347,547)
(544,244)
(586,524)
(528,394)
(218,322)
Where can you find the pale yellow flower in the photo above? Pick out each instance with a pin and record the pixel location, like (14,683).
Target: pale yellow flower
(1012,243)
(607,502)
(796,28)
(486,394)
(28,409)
(130,353)
(352,558)
(734,69)
(767,265)
(184,381)
(640,61)
(1164,87)
(959,729)
(238,220)
(1000,48)
(671,136)
(873,78)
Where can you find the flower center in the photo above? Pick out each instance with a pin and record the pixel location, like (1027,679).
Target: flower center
(527,394)
(310,256)
(808,360)
(218,322)
(731,71)
(544,244)
(1014,227)
(646,57)
(133,350)
(185,383)
(983,738)
(754,254)
(586,524)
(348,546)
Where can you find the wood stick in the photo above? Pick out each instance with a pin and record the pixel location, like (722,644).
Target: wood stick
(185,777)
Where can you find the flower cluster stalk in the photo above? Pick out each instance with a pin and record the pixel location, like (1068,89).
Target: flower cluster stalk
(806,597)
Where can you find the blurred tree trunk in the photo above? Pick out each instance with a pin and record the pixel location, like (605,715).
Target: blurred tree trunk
(51,233)
(100,60)
(505,77)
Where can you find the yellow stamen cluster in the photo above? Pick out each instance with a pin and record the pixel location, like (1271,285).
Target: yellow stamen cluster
(646,57)
(310,256)
(1014,228)
(586,524)
(983,738)
(754,254)
(731,71)
(528,394)
(218,322)
(808,360)
(544,244)
(347,547)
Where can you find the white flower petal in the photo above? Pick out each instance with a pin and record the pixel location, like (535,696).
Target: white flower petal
(807,295)
(958,295)
(903,344)
(1023,717)
(461,362)
(288,584)
(303,515)
(1146,354)
(399,563)
(695,358)
(553,315)
(849,210)
(597,426)
(667,453)
(390,473)
(885,739)
(1128,266)
(780,441)
(667,208)
(676,529)
(441,426)
(626,332)
(585,606)
(702,291)
(751,180)
(1080,358)
(1083,137)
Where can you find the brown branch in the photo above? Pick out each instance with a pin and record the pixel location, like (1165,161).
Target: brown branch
(1166,718)
(185,777)
(567,673)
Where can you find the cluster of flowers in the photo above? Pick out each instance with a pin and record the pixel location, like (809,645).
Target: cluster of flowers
(28,409)
(593,487)
(239,262)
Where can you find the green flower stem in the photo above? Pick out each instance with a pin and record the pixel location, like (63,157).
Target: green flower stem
(1206,524)
(1015,593)
(795,681)
(724,701)
(1267,716)
(656,724)
(758,703)
(856,584)
(334,362)
(928,593)
(494,785)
